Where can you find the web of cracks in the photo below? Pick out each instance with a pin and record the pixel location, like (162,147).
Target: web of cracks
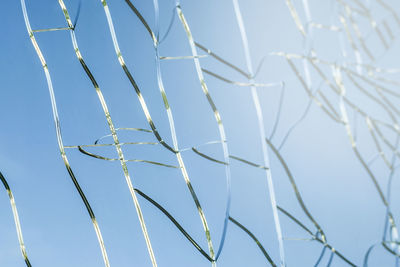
(373,82)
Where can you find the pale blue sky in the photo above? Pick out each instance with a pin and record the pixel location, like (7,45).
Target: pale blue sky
(55,224)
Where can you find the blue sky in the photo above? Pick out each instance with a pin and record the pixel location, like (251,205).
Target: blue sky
(57,230)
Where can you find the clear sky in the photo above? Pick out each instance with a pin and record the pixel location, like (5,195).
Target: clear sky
(333,183)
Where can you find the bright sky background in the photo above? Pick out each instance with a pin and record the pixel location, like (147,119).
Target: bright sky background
(57,229)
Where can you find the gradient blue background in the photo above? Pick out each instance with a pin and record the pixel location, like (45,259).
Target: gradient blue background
(55,224)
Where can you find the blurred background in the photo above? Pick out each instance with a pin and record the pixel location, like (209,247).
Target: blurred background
(358,37)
